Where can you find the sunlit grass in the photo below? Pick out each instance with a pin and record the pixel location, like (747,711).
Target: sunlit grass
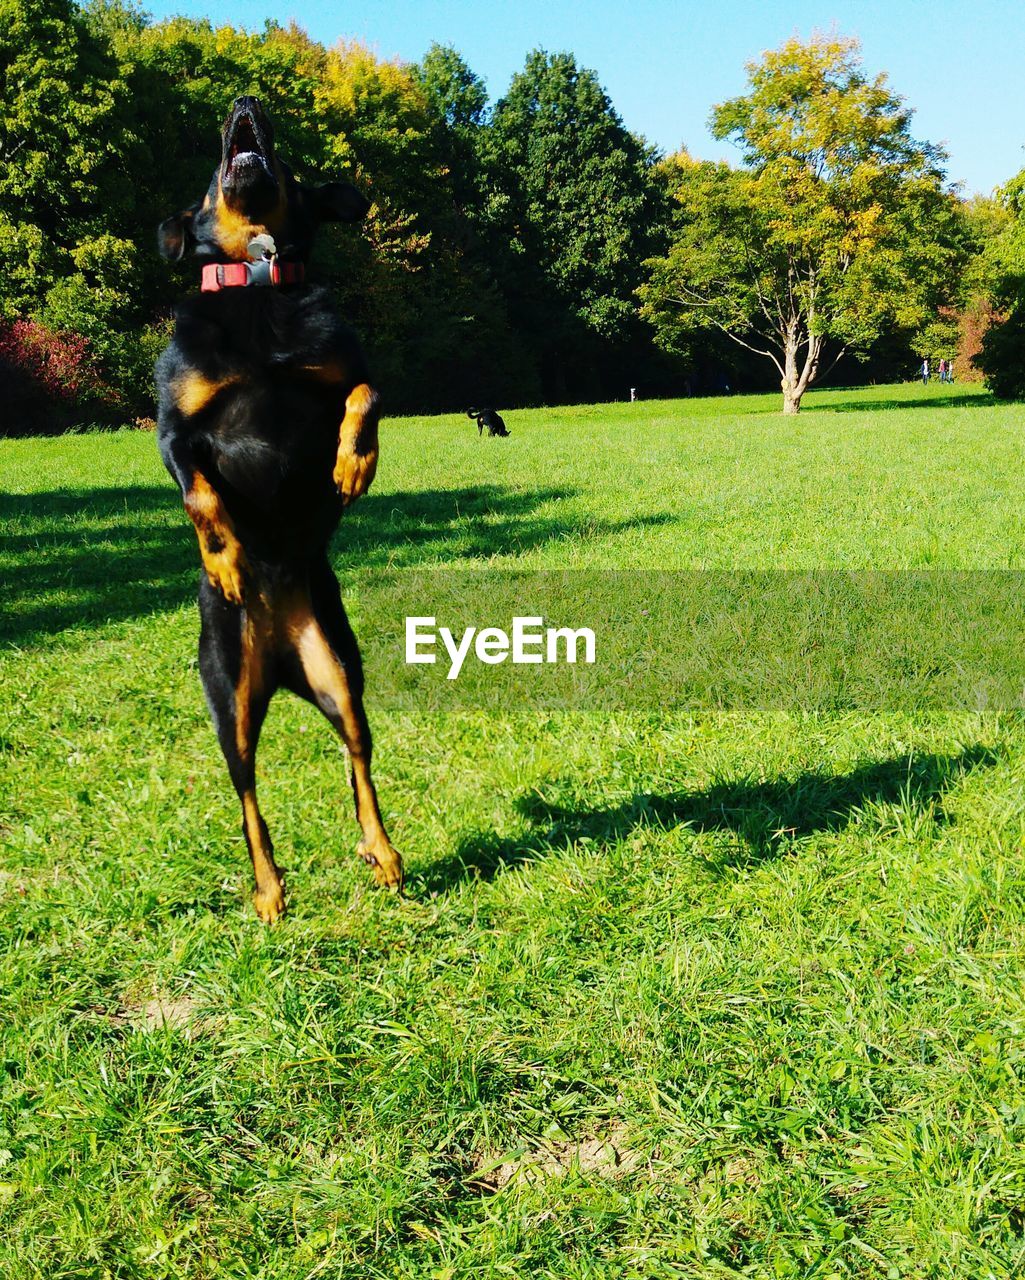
(775,959)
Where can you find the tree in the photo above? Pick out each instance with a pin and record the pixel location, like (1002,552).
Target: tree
(458,101)
(455,91)
(437,329)
(488,250)
(958,325)
(65,127)
(1001,273)
(572,194)
(68,136)
(836,227)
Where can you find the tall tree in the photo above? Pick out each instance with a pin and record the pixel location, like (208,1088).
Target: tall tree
(436,328)
(1000,275)
(574,194)
(456,92)
(458,100)
(836,227)
(65,128)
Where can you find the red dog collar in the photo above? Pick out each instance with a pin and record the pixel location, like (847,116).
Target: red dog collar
(234,275)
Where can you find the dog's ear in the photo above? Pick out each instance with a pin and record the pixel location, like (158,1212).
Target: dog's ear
(175,235)
(339,202)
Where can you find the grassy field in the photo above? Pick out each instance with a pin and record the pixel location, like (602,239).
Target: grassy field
(737,994)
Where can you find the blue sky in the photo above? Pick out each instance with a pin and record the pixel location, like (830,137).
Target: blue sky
(664,64)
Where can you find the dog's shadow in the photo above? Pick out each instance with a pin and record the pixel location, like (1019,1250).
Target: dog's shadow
(765,820)
(406,529)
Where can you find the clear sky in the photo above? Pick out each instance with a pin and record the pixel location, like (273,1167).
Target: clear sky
(960,65)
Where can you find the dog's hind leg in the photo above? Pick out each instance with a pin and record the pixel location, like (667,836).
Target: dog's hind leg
(329,673)
(236,661)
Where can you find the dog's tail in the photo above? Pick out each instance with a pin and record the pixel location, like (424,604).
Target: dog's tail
(472,413)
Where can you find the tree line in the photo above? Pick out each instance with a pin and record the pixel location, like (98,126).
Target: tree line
(530,249)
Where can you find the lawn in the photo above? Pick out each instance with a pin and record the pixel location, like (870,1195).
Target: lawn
(722,992)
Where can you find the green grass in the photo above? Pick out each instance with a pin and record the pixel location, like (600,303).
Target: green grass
(773,959)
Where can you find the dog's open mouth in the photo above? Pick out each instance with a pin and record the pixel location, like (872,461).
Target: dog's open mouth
(247,148)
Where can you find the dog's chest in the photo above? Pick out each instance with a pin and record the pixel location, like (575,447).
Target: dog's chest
(276,436)
(275,370)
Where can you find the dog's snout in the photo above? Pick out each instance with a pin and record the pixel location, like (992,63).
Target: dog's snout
(247,147)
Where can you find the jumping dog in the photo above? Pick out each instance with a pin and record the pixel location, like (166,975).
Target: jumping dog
(268,424)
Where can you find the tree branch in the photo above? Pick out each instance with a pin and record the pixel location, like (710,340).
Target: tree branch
(840,355)
(757,350)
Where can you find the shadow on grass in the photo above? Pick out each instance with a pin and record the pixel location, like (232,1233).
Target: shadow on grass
(951,401)
(765,819)
(83,557)
(86,557)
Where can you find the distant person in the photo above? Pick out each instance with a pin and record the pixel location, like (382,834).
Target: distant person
(924,372)
(950,371)
(943,370)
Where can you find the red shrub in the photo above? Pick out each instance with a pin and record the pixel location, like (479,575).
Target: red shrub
(46,378)
(976,320)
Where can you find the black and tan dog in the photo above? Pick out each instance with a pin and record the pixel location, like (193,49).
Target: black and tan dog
(268,423)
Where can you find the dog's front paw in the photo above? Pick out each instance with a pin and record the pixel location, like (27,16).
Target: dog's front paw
(385,860)
(226,568)
(354,473)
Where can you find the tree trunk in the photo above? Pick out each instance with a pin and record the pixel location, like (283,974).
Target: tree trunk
(795,384)
(791,383)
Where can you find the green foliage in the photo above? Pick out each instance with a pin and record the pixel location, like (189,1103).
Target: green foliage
(938,339)
(136,109)
(456,94)
(577,194)
(1002,359)
(989,222)
(66,137)
(506,245)
(837,227)
(1004,231)
(1001,277)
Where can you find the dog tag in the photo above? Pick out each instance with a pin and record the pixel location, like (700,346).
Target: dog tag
(261,246)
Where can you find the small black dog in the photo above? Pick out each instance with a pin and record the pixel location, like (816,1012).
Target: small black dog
(268,423)
(489,418)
